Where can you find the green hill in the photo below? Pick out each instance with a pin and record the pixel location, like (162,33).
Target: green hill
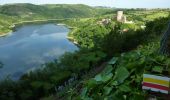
(21,9)
(49,10)
(13,13)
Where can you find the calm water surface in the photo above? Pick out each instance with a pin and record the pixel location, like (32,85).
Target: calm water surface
(31,46)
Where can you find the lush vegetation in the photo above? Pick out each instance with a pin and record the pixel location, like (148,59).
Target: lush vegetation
(98,43)
(111,38)
(122,77)
(50,10)
(43,82)
(14,13)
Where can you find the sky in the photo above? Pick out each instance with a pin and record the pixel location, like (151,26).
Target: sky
(109,3)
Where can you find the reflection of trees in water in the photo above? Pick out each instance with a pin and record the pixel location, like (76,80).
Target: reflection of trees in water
(1,64)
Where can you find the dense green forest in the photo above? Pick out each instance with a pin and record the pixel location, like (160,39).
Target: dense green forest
(14,13)
(126,51)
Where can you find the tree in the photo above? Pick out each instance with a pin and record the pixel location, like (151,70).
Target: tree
(165,43)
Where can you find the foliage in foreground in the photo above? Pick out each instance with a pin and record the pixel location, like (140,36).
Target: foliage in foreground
(122,78)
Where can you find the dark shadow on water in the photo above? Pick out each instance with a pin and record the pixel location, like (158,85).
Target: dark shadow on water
(1,64)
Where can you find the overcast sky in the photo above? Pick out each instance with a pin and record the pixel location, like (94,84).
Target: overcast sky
(110,3)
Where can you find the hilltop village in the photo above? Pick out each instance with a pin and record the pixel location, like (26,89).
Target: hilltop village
(120,17)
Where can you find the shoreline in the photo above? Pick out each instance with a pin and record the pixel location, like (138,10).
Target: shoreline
(5,34)
(72,29)
(18,24)
(65,25)
(70,37)
(72,40)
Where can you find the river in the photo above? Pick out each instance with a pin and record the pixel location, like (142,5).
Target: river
(30,46)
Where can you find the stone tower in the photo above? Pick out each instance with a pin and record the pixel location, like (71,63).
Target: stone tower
(119,16)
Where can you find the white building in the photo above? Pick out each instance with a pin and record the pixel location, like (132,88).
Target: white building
(122,18)
(119,16)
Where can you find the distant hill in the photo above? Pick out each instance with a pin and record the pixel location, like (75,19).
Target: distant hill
(26,10)
(13,13)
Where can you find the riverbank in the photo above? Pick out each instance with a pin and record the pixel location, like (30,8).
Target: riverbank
(19,24)
(71,37)
(6,33)
(52,75)
(61,24)
(70,34)
(72,40)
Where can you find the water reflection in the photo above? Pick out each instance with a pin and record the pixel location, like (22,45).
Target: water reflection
(32,45)
(1,64)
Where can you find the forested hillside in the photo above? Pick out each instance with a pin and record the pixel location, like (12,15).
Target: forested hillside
(50,11)
(13,13)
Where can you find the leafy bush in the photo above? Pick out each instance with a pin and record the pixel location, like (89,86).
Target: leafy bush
(122,80)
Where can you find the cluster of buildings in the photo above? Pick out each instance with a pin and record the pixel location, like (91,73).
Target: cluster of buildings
(104,21)
(120,18)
